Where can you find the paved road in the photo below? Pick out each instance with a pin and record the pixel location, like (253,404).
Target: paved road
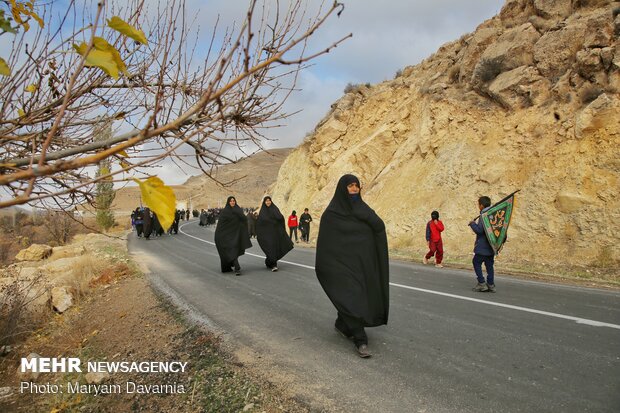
(532,347)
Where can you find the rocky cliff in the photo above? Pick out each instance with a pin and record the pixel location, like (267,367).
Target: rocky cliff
(528,101)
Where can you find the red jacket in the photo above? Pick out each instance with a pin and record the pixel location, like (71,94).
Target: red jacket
(292,221)
(433,231)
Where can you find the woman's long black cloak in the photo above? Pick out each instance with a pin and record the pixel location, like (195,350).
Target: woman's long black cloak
(271,234)
(352,257)
(231,235)
(148,223)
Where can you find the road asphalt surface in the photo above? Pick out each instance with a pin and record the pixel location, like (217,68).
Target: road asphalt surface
(530,347)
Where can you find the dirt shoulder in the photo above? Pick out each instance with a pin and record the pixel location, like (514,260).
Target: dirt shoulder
(126,321)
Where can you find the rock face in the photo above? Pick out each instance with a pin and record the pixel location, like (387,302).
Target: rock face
(529,101)
(35,252)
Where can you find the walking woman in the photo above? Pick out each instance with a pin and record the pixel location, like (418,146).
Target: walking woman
(352,263)
(231,236)
(271,234)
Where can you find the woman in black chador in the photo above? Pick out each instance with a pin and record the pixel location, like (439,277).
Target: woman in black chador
(231,236)
(352,263)
(271,234)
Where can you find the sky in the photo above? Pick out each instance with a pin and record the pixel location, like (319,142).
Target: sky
(387,36)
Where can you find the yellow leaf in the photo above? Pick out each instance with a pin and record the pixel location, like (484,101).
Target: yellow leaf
(124,154)
(31,88)
(160,199)
(123,164)
(27,9)
(105,60)
(121,26)
(21,112)
(5,70)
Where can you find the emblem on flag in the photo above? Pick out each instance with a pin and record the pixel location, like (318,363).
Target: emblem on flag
(495,221)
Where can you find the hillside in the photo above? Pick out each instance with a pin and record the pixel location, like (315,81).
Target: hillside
(528,101)
(247,179)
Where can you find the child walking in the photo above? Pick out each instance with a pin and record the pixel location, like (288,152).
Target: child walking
(434,228)
(483,253)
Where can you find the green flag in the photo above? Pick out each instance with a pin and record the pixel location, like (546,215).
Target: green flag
(495,221)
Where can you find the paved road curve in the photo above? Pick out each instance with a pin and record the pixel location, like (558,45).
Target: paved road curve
(532,347)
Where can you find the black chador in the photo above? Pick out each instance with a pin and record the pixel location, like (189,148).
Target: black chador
(203,218)
(175,224)
(148,223)
(157,228)
(271,234)
(231,236)
(352,263)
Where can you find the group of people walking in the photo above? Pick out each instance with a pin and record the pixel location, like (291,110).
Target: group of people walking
(232,236)
(351,258)
(352,263)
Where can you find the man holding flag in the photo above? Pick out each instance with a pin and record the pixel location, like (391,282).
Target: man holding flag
(491,232)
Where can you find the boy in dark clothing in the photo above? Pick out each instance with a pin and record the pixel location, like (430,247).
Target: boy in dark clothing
(483,253)
(434,227)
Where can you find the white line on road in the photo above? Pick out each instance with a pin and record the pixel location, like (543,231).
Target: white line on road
(578,320)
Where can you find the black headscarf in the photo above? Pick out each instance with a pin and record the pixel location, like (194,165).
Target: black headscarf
(231,234)
(352,257)
(271,233)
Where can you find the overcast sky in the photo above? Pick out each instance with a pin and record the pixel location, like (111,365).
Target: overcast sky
(387,36)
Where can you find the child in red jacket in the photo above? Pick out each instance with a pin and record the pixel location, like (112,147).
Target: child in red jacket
(434,227)
(293,223)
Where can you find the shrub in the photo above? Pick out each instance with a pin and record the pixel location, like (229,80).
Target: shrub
(16,317)
(488,69)
(589,93)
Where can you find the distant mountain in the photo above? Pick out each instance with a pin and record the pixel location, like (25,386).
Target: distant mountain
(248,180)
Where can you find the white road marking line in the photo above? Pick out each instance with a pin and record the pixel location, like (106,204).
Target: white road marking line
(578,320)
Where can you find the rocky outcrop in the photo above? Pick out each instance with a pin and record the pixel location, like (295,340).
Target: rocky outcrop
(35,252)
(528,101)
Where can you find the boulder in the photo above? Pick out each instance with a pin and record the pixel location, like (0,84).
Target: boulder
(35,252)
(600,30)
(554,52)
(607,57)
(28,375)
(596,115)
(62,299)
(67,251)
(589,63)
(511,50)
(553,8)
(522,86)
(96,378)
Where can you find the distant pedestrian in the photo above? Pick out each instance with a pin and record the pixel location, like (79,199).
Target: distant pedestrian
(293,223)
(231,236)
(148,223)
(139,221)
(252,217)
(483,252)
(352,263)
(187,214)
(271,234)
(434,228)
(304,225)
